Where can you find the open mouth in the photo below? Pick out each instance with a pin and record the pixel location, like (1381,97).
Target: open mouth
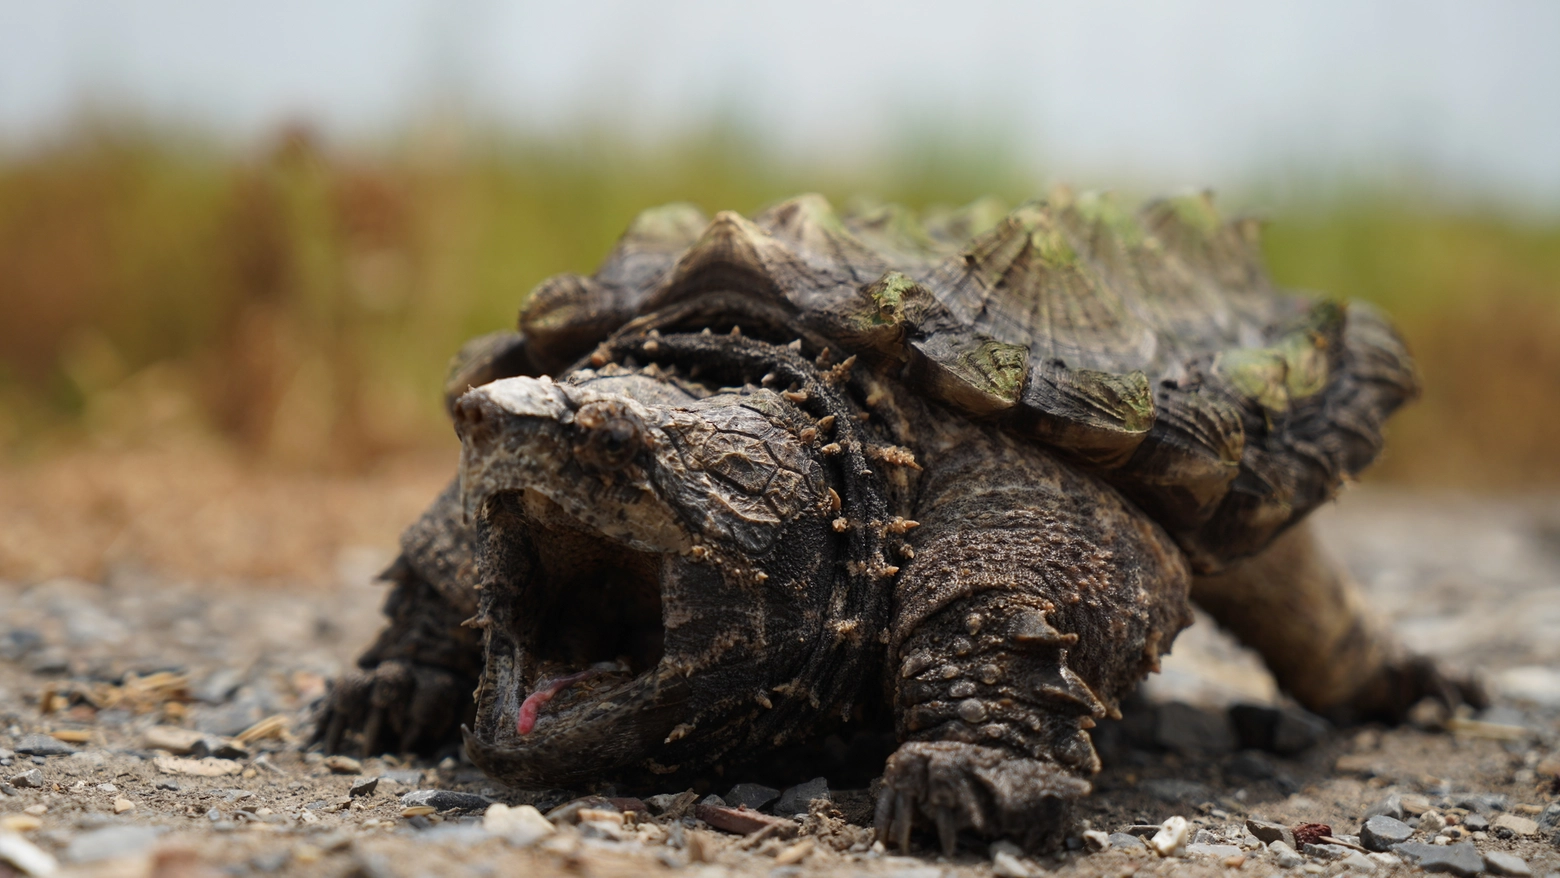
(575,683)
(593,624)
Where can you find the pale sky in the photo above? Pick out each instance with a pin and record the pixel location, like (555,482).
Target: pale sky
(1151,94)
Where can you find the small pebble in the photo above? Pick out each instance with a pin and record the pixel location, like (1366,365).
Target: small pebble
(363,787)
(1458,859)
(111,843)
(30,780)
(26,856)
(1518,825)
(43,745)
(1391,806)
(1170,840)
(1269,832)
(1380,833)
(1126,841)
(1095,840)
(522,825)
(1502,863)
(796,800)
(122,804)
(1005,865)
(1287,857)
(1358,862)
(753,795)
(343,765)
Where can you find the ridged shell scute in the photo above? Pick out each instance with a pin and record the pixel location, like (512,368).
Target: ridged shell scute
(1148,344)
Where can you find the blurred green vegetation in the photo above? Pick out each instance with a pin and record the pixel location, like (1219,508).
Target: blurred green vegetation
(300,303)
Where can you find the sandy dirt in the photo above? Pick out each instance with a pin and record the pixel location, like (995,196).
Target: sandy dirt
(110,662)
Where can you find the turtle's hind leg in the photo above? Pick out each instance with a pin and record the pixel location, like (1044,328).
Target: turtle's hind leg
(1304,614)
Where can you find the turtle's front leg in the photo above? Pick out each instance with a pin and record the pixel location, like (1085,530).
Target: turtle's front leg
(415,686)
(1037,598)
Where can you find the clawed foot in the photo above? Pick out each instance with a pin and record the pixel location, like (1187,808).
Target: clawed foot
(398,706)
(953,787)
(1401,684)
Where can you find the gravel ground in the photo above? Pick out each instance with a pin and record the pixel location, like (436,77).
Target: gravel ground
(174,706)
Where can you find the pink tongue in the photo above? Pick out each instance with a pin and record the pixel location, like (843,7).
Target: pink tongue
(543,694)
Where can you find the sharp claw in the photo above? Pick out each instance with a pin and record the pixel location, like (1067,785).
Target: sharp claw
(334,731)
(902,819)
(883,819)
(376,717)
(947,832)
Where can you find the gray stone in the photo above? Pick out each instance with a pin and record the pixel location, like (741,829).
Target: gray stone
(753,795)
(50,661)
(1550,819)
(1484,803)
(1005,865)
(1358,862)
(43,745)
(796,799)
(168,784)
(1222,851)
(1251,765)
(1502,863)
(363,786)
(1270,832)
(406,777)
(273,861)
(713,800)
(18,643)
(32,779)
(1286,855)
(1380,833)
(1391,806)
(1175,790)
(1327,851)
(1517,824)
(1122,840)
(1459,859)
(1476,823)
(111,842)
(227,720)
(219,686)
(446,800)
(1298,730)
(1285,730)
(1182,727)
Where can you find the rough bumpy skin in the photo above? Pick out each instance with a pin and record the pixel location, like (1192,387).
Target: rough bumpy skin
(757,479)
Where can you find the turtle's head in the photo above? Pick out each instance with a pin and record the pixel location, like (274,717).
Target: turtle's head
(662,579)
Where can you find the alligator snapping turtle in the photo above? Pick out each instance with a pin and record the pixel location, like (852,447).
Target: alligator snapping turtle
(964,475)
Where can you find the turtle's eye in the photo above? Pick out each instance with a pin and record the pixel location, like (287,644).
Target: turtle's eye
(611,436)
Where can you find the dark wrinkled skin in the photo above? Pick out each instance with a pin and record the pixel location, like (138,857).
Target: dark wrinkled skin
(750,559)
